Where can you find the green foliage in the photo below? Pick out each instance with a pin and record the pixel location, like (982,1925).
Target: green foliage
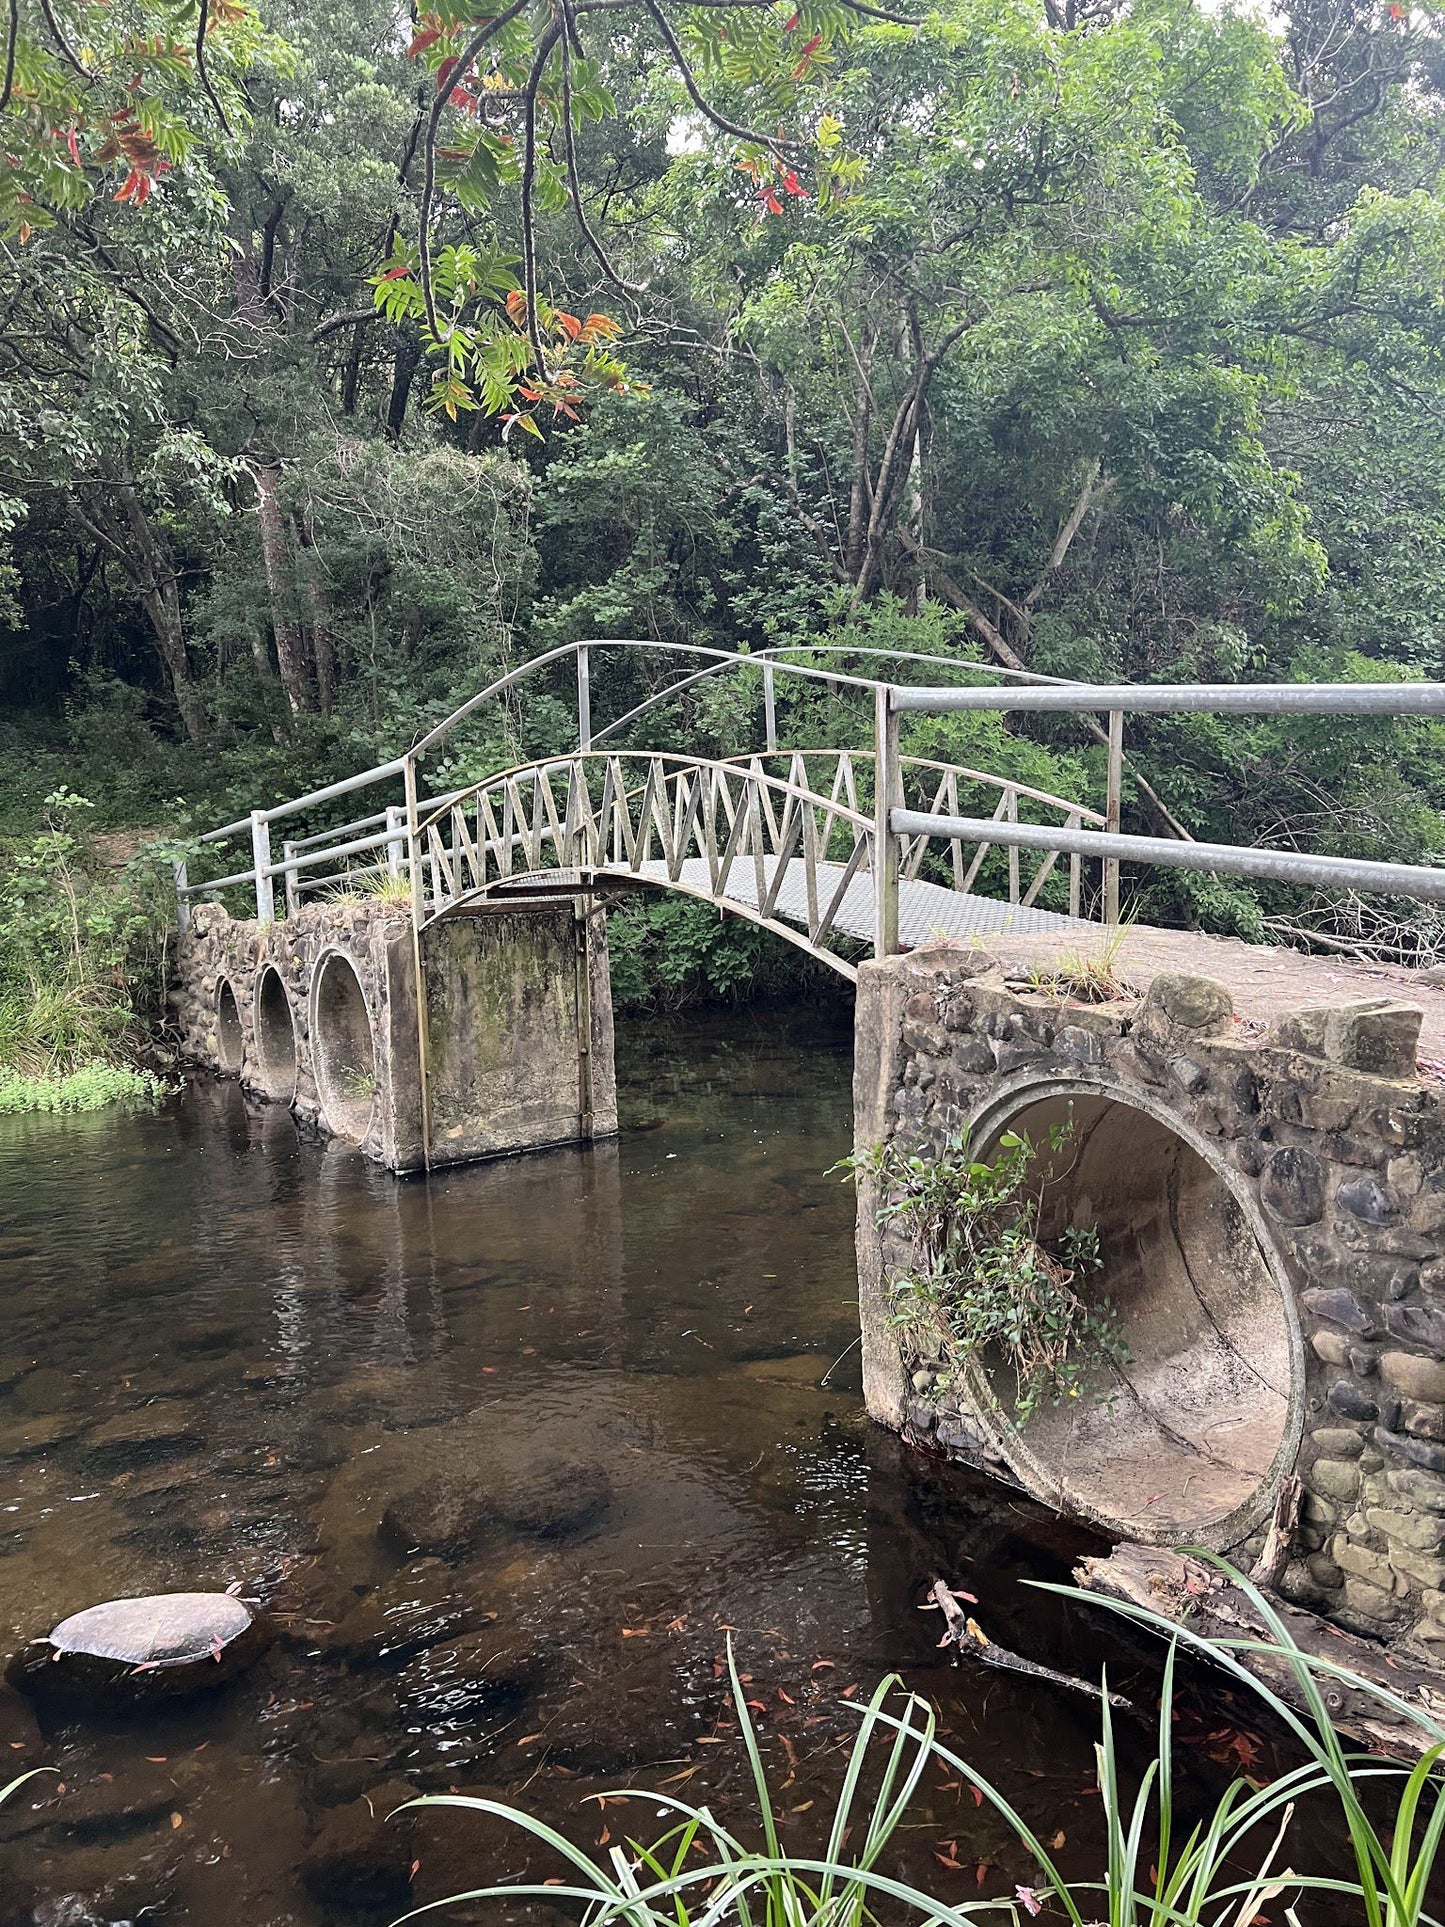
(668,951)
(82,949)
(981,1283)
(90,1087)
(1114,348)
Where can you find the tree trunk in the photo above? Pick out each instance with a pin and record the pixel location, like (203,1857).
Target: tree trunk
(404,367)
(162,603)
(115,517)
(291,652)
(318,603)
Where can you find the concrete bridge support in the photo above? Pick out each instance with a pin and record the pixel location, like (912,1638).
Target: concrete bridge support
(319,1013)
(1270,1205)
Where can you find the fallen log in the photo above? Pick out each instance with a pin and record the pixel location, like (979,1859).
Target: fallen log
(965,1635)
(1206,1602)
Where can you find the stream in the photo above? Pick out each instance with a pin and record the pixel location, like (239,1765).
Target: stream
(233,1354)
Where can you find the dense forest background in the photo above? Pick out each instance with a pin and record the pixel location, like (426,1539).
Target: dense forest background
(346,370)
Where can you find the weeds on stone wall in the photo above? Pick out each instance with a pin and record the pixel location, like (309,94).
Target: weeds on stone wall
(981,1281)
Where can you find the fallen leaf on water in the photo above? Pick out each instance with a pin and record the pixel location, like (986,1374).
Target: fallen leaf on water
(415,1870)
(849,1691)
(156,1759)
(1057,1841)
(978,1796)
(636,1632)
(980,1872)
(946,1854)
(803,1808)
(786,1698)
(529,1739)
(819,1665)
(604,1839)
(175,1821)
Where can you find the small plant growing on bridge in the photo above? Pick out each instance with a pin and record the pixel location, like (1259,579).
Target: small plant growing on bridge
(982,1280)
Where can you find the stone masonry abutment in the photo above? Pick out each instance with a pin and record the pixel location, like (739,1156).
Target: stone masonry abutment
(319,1013)
(1270,1203)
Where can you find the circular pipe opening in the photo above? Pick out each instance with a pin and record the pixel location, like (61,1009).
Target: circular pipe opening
(275,1037)
(1190,1434)
(230,1037)
(343,1049)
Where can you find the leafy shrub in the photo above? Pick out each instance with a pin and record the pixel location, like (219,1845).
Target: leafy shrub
(90,1088)
(981,1279)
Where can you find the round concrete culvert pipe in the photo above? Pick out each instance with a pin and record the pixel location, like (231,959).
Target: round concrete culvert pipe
(275,1037)
(343,1048)
(1189,1437)
(230,1036)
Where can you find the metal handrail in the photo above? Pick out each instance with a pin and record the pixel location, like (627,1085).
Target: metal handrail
(944,769)
(1182,699)
(1230,859)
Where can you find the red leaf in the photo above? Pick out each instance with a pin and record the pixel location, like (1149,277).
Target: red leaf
(400,274)
(806,57)
(444,74)
(73,144)
(792,23)
(428,37)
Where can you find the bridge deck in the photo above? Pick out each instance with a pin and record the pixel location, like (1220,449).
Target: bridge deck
(926,911)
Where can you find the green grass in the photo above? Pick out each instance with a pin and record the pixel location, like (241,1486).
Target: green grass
(49,1029)
(1161,1867)
(90,1087)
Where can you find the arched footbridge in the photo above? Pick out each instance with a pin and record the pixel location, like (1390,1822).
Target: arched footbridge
(1257,1135)
(845,850)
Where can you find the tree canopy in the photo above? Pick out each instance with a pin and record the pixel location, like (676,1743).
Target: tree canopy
(353,351)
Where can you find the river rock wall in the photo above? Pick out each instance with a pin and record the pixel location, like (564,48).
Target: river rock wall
(319,1012)
(1284,1297)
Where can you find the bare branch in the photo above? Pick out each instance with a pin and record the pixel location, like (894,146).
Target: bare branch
(1093,491)
(428,193)
(12,41)
(574,179)
(57,34)
(352,318)
(695,94)
(529,183)
(203,16)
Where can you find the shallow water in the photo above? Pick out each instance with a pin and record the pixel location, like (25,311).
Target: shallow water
(226,1349)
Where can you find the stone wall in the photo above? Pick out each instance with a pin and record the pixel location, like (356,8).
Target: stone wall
(1271,1204)
(318,1011)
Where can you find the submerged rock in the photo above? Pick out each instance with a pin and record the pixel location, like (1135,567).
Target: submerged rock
(174,1642)
(360,1857)
(423,1604)
(505,1487)
(467,1677)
